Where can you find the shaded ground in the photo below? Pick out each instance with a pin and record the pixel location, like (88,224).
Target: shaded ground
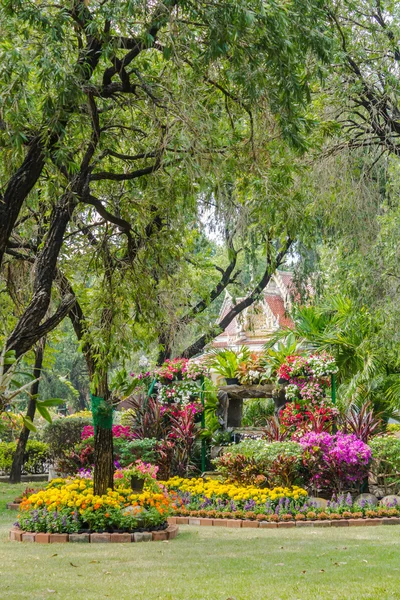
(206,564)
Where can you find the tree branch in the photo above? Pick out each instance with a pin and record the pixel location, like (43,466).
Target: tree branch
(199,344)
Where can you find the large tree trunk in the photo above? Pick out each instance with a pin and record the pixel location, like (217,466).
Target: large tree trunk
(103,461)
(103,439)
(103,445)
(18,460)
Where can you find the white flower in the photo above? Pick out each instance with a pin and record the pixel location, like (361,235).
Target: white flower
(143,362)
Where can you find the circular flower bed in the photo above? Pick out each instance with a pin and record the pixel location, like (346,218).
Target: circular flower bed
(70,506)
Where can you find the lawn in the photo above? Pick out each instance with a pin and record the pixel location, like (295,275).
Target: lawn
(206,564)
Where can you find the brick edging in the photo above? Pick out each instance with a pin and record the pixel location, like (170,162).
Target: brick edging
(247,524)
(170,533)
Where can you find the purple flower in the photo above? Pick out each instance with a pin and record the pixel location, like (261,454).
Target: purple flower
(249,505)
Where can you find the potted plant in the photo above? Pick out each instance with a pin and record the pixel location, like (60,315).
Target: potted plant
(137,475)
(226,363)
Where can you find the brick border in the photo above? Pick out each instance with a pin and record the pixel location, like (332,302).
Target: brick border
(16,535)
(202,522)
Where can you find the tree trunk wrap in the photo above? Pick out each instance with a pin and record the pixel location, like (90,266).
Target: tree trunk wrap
(102,413)
(103,445)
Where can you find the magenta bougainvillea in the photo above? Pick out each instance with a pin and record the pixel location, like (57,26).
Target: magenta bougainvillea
(336,462)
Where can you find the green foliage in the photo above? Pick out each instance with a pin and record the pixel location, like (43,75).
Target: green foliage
(393,427)
(352,336)
(10,385)
(10,426)
(35,460)
(214,100)
(256,461)
(385,467)
(128,451)
(226,362)
(256,411)
(64,434)
(276,352)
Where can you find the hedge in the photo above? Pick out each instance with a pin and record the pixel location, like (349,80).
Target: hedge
(36,457)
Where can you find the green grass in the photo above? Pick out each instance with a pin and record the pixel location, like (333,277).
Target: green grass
(206,564)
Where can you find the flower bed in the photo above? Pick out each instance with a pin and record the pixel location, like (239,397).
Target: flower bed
(215,500)
(68,507)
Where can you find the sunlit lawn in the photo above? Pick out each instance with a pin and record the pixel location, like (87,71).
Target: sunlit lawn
(206,563)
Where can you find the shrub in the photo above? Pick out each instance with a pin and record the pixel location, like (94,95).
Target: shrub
(237,468)
(335,462)
(64,434)
(279,462)
(10,426)
(385,465)
(35,461)
(127,451)
(79,457)
(393,427)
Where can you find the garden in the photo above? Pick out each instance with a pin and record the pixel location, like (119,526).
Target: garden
(199,282)
(309,463)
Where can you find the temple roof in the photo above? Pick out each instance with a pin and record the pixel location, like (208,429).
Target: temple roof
(253,326)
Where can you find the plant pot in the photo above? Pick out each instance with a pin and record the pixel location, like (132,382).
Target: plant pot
(197,417)
(137,484)
(232,381)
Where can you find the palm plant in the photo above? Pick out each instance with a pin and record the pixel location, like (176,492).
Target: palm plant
(257,411)
(226,362)
(276,352)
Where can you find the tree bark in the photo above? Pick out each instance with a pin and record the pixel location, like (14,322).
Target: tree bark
(29,327)
(103,477)
(103,439)
(103,461)
(18,459)
(19,186)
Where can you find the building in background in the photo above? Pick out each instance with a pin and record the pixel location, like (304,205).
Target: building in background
(257,322)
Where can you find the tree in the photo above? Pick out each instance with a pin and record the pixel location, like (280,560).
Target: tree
(117,122)
(365,84)
(18,458)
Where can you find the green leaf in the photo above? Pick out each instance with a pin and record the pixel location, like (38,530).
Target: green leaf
(28,424)
(167,52)
(50,402)
(44,412)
